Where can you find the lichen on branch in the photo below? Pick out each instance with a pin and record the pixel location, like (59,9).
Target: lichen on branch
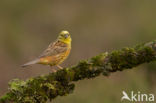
(47,87)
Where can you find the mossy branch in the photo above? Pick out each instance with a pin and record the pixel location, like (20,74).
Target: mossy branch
(47,87)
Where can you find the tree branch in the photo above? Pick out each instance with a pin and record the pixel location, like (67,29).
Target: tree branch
(47,87)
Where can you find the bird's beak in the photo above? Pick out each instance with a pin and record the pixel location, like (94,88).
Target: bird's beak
(66,36)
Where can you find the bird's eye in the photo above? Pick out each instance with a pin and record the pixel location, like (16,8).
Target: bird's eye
(66,35)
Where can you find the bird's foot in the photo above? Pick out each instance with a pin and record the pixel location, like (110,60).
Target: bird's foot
(59,67)
(54,70)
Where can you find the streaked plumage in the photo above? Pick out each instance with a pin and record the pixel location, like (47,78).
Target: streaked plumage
(56,52)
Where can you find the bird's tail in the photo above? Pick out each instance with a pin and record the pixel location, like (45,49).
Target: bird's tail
(31,62)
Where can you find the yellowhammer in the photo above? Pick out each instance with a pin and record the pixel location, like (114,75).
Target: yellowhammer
(56,52)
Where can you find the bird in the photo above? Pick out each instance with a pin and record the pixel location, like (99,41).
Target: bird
(56,52)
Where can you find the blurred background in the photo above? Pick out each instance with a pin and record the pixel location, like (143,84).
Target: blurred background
(28,26)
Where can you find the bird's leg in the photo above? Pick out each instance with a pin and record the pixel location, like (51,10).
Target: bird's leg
(53,69)
(59,67)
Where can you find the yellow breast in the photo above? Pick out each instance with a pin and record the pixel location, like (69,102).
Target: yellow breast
(63,56)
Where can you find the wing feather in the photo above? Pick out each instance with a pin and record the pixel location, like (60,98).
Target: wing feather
(54,48)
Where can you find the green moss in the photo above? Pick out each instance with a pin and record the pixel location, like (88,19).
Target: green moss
(47,87)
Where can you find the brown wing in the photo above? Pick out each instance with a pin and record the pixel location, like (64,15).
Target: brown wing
(54,48)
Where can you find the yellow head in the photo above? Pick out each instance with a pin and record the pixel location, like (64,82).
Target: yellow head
(64,36)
